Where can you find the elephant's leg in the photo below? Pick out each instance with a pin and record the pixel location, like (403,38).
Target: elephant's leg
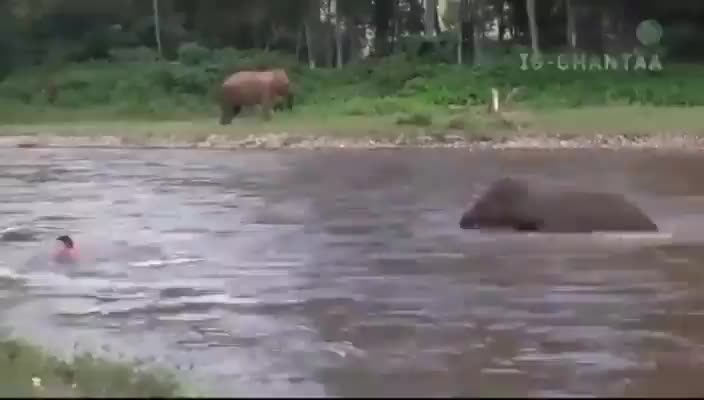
(278,105)
(266,113)
(284,103)
(266,107)
(226,114)
(289,102)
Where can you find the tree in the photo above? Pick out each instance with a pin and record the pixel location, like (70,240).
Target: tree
(313,11)
(533,24)
(338,33)
(499,9)
(477,30)
(157,28)
(461,16)
(383,13)
(571,25)
(430,17)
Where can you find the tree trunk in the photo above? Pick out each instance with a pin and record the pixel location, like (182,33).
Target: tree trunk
(460,31)
(397,25)
(429,17)
(502,19)
(533,23)
(311,19)
(157,28)
(309,44)
(299,34)
(415,17)
(338,34)
(477,31)
(383,14)
(329,35)
(355,47)
(571,25)
(436,22)
(604,27)
(329,45)
(269,37)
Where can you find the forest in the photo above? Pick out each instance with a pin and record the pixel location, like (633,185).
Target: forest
(165,58)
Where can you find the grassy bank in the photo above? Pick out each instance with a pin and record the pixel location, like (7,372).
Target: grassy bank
(384,97)
(27,371)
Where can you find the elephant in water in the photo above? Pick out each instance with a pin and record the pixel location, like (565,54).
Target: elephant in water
(515,204)
(268,88)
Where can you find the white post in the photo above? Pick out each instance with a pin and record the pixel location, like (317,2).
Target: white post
(494,100)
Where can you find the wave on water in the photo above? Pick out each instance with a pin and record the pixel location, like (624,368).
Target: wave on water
(163,263)
(82,282)
(583,238)
(9,274)
(54,280)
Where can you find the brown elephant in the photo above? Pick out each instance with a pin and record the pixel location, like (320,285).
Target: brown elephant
(514,204)
(268,88)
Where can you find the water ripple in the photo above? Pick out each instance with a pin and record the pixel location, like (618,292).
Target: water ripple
(345,274)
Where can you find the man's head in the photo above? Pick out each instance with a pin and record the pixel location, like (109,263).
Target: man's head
(66,240)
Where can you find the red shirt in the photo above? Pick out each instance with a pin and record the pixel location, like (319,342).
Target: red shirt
(66,255)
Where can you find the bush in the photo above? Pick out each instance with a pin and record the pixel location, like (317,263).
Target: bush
(418,119)
(134,54)
(383,106)
(26,371)
(193,54)
(233,60)
(441,48)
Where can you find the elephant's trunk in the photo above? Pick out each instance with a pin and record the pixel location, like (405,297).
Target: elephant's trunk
(468,222)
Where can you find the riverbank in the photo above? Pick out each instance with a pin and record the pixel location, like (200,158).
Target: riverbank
(394,101)
(606,127)
(27,371)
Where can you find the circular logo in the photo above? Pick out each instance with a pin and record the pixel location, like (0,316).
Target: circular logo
(649,32)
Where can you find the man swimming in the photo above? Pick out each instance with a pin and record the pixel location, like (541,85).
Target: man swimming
(66,253)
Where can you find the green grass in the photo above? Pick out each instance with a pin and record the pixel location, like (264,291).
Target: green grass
(27,371)
(381,96)
(619,119)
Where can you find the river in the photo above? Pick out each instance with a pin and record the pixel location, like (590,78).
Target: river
(345,273)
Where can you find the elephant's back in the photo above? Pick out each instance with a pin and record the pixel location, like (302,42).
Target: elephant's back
(241,78)
(244,87)
(594,211)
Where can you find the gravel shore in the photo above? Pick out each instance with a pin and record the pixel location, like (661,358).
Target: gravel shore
(287,141)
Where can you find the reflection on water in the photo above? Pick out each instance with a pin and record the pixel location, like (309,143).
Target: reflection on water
(346,273)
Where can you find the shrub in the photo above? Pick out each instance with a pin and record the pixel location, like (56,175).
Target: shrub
(193,54)
(134,54)
(26,371)
(418,119)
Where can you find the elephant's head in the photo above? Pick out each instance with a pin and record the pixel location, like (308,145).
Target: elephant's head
(500,207)
(284,88)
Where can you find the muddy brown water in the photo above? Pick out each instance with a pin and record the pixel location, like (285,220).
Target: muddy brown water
(344,273)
